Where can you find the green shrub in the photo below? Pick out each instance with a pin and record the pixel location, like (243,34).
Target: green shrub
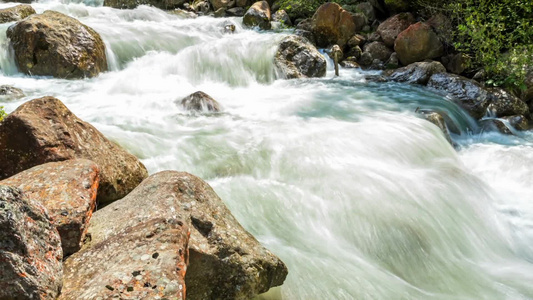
(2,113)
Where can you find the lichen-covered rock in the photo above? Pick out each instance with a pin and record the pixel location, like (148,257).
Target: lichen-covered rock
(331,24)
(146,260)
(297,57)
(53,44)
(468,93)
(8,92)
(44,130)
(418,72)
(130,4)
(391,28)
(378,50)
(225,261)
(503,103)
(201,102)
(30,249)
(258,15)
(67,189)
(16,13)
(417,43)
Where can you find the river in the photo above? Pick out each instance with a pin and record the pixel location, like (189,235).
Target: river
(338,176)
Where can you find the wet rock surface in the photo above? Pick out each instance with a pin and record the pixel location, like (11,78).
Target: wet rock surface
(30,249)
(53,44)
(67,189)
(8,92)
(225,261)
(297,57)
(418,72)
(468,93)
(200,102)
(16,13)
(44,130)
(503,103)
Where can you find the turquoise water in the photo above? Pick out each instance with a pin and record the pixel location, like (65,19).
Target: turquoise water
(339,177)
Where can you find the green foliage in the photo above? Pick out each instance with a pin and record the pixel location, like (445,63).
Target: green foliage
(2,113)
(498,35)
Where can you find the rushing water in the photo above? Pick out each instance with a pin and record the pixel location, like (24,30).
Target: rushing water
(359,197)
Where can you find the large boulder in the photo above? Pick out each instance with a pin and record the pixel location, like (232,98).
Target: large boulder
(67,189)
(201,102)
(225,261)
(30,249)
(44,130)
(391,28)
(468,93)
(331,24)
(16,13)
(258,15)
(53,44)
(297,57)
(418,72)
(147,259)
(417,43)
(378,50)
(130,4)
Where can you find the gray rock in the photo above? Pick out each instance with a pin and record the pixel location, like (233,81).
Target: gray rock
(418,72)
(8,92)
(368,10)
(518,122)
(503,103)
(30,249)
(235,12)
(200,102)
(282,17)
(378,50)
(366,59)
(438,120)
(297,57)
(225,261)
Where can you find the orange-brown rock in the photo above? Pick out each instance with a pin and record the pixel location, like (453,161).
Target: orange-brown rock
(417,43)
(258,15)
(331,24)
(67,189)
(54,44)
(391,28)
(30,249)
(44,130)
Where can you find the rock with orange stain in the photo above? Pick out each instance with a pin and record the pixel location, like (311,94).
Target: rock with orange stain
(68,191)
(30,249)
(45,130)
(226,262)
(332,25)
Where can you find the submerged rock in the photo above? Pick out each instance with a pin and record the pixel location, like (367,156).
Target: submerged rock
(67,189)
(201,102)
(417,43)
(418,72)
(30,249)
(258,15)
(16,13)
(44,130)
(225,261)
(9,92)
(518,122)
(438,120)
(331,24)
(297,58)
(53,44)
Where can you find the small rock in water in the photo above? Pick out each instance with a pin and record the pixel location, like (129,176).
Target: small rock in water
(201,102)
(8,92)
(229,28)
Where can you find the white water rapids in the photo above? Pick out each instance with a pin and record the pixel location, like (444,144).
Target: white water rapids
(359,197)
